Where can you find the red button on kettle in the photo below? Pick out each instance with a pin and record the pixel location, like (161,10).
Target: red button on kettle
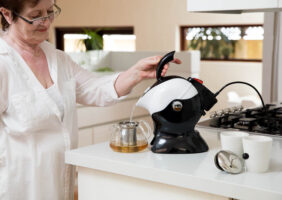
(198,80)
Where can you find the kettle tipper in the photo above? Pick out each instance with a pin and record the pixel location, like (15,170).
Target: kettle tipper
(176,105)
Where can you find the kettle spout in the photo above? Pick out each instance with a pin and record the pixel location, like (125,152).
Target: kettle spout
(147,101)
(142,103)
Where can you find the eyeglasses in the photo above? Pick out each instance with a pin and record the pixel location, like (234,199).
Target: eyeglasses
(40,20)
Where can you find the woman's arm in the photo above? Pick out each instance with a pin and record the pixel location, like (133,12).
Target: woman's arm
(106,90)
(143,69)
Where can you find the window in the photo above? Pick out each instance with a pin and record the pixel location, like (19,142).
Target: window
(233,43)
(73,42)
(117,42)
(114,38)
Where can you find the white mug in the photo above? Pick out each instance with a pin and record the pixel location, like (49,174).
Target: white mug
(257,153)
(232,141)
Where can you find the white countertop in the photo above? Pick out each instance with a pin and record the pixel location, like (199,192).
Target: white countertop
(192,171)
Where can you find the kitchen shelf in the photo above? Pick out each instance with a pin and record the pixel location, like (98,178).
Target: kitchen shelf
(238,6)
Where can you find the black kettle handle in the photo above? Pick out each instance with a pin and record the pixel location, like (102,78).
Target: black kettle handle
(165,59)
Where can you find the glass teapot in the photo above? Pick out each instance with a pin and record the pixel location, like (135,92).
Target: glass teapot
(130,136)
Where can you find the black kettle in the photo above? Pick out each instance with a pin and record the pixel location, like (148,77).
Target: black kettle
(176,104)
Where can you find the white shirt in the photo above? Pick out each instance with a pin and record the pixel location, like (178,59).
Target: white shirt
(54,93)
(33,138)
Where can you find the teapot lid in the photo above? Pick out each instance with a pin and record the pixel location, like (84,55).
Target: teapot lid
(229,162)
(128,124)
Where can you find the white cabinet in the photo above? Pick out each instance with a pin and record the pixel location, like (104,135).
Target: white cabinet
(233,6)
(105,175)
(85,137)
(97,184)
(280,3)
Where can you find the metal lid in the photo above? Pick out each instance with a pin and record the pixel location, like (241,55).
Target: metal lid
(128,124)
(229,162)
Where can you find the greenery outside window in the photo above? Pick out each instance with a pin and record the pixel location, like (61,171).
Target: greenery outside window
(90,46)
(225,42)
(79,39)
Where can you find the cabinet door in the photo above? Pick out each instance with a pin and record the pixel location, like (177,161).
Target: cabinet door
(102,133)
(223,5)
(85,137)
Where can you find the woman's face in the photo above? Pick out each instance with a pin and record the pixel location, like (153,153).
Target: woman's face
(34,34)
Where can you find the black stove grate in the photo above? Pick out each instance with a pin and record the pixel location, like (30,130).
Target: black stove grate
(259,120)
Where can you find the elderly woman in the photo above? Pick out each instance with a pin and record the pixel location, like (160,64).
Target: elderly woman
(39,89)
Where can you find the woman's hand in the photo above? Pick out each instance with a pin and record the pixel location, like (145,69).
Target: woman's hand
(143,69)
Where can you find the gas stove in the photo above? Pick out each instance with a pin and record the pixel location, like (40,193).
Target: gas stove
(257,120)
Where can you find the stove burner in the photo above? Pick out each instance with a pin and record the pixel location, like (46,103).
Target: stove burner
(259,120)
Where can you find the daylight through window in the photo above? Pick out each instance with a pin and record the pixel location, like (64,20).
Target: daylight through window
(225,42)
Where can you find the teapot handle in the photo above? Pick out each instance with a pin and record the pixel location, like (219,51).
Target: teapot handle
(113,128)
(149,130)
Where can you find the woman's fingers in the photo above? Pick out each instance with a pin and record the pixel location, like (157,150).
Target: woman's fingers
(147,66)
(150,62)
(164,70)
(176,61)
(148,74)
(156,59)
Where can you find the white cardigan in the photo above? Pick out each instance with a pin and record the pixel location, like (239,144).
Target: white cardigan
(33,137)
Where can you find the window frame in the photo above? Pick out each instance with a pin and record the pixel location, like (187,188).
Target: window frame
(182,40)
(60,31)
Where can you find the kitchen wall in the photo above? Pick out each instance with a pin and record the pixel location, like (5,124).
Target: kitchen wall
(216,74)
(156,22)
